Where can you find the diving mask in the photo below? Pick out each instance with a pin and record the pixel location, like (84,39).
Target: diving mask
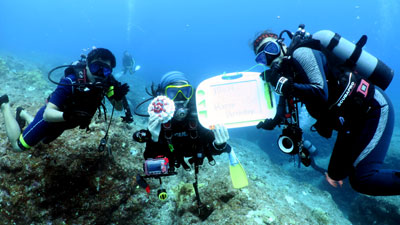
(270,51)
(100,69)
(172,91)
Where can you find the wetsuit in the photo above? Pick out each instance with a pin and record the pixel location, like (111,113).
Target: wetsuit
(41,130)
(363,134)
(361,147)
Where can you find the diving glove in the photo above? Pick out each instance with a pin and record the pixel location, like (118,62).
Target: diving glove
(268,124)
(120,91)
(275,76)
(284,86)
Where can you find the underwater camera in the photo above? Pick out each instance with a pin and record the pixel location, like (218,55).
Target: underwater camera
(156,167)
(291,142)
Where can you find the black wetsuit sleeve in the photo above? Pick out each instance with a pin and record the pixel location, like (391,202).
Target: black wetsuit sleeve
(310,84)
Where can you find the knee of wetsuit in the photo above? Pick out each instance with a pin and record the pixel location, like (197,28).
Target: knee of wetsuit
(22,144)
(356,184)
(364,183)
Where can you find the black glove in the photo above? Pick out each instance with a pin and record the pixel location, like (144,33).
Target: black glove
(120,91)
(269,124)
(81,118)
(274,73)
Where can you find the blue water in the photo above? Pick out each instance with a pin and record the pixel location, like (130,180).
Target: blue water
(201,38)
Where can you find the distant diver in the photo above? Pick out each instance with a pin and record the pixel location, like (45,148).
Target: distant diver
(129,64)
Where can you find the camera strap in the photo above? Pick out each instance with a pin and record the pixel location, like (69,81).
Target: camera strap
(195,186)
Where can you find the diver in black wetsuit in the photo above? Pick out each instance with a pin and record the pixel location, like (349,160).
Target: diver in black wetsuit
(364,125)
(73,103)
(183,131)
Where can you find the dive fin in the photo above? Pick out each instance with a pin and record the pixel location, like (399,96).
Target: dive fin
(236,170)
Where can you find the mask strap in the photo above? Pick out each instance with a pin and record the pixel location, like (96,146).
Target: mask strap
(280,43)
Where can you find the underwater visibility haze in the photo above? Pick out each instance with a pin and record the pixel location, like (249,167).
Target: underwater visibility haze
(67,182)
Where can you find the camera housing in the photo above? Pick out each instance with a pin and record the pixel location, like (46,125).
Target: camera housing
(291,139)
(291,142)
(156,167)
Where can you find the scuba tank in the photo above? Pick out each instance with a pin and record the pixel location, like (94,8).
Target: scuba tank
(351,54)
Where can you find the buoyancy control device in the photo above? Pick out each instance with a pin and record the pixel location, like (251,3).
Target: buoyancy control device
(346,53)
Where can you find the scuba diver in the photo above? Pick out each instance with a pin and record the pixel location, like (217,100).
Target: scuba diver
(74,102)
(342,93)
(170,142)
(128,63)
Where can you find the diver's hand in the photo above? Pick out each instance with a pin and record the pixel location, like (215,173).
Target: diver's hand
(221,135)
(274,73)
(120,91)
(154,127)
(269,124)
(333,182)
(284,86)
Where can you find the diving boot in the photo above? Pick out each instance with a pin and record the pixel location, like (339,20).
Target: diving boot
(4,99)
(21,122)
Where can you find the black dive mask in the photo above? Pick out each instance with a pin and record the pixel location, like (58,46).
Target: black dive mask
(100,69)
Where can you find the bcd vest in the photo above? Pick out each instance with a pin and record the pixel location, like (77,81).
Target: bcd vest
(349,91)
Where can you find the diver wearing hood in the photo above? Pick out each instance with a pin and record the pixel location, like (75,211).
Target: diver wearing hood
(74,102)
(169,144)
(183,132)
